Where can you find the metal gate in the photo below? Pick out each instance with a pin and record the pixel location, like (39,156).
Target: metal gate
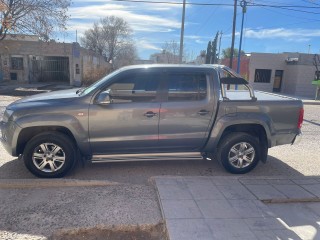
(50,69)
(1,71)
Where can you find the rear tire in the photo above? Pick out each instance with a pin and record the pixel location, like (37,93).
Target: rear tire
(49,155)
(239,152)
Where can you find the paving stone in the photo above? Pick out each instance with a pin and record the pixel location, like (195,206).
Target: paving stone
(314,207)
(225,181)
(235,192)
(305,181)
(169,180)
(203,189)
(280,181)
(295,214)
(264,224)
(253,181)
(174,191)
(308,232)
(276,234)
(312,188)
(216,209)
(188,229)
(294,191)
(263,192)
(231,229)
(251,208)
(180,209)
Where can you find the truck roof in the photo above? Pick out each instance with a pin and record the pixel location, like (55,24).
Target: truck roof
(204,66)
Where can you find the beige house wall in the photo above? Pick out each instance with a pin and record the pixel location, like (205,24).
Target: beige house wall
(290,79)
(29,49)
(265,61)
(305,76)
(297,74)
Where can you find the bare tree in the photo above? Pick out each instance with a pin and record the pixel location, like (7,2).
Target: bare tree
(39,17)
(169,53)
(111,37)
(126,56)
(170,50)
(93,39)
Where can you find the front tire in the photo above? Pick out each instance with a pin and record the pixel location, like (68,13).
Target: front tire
(49,155)
(239,152)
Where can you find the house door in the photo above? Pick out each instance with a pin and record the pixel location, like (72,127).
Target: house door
(277,81)
(1,71)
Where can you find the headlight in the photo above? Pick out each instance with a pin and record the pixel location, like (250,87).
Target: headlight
(7,114)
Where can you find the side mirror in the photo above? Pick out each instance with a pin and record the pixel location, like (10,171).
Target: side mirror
(104,98)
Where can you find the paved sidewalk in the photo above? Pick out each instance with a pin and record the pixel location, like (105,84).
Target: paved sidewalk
(240,207)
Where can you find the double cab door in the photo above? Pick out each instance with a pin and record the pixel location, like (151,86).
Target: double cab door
(152,110)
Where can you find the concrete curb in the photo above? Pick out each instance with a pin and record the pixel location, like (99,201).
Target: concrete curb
(45,183)
(311,102)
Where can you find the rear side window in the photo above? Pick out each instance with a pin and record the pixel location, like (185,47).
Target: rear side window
(135,88)
(187,87)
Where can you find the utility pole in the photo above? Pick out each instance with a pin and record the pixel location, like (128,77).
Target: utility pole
(219,46)
(233,32)
(243,4)
(182,31)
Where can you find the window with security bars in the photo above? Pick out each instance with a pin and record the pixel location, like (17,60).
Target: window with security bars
(16,63)
(262,75)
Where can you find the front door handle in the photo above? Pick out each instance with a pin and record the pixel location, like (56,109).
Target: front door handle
(150,114)
(203,112)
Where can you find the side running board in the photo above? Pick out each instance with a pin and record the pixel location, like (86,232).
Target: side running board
(146,157)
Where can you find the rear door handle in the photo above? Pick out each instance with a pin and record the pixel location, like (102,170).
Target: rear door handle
(150,114)
(203,112)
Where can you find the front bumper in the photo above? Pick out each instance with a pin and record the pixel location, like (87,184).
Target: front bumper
(8,136)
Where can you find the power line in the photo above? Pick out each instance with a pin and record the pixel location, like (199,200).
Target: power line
(216,4)
(287,8)
(310,2)
(174,3)
(292,16)
(206,21)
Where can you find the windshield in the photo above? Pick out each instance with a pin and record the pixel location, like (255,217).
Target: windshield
(99,83)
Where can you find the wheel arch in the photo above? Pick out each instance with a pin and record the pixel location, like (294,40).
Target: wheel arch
(27,133)
(255,129)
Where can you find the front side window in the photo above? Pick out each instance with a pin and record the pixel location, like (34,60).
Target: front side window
(187,87)
(16,63)
(135,88)
(262,76)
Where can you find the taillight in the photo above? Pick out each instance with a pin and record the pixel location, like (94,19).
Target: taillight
(300,120)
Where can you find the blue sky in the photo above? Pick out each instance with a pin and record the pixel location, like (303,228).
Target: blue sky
(267,28)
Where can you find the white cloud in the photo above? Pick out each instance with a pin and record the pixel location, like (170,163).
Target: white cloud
(145,44)
(141,22)
(200,41)
(297,35)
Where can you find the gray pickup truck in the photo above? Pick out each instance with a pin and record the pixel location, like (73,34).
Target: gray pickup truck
(151,112)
